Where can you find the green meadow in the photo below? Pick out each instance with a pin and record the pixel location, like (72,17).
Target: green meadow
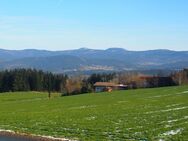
(144,114)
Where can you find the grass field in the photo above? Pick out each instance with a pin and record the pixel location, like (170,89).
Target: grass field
(144,114)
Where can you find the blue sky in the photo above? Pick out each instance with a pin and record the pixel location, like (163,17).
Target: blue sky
(100,24)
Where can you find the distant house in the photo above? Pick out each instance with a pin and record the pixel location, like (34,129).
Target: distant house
(108,86)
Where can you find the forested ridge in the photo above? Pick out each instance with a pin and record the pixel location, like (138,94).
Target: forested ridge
(90,61)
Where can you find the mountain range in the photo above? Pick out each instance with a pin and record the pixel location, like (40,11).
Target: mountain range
(93,60)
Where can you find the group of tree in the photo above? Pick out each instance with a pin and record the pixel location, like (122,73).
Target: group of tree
(181,77)
(31,80)
(137,80)
(134,80)
(37,80)
(84,84)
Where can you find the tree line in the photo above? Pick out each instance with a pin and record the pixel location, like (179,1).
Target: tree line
(37,80)
(180,77)
(31,80)
(84,84)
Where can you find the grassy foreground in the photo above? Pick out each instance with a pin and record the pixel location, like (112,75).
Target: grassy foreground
(144,114)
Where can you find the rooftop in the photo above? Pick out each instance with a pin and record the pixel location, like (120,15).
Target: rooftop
(107,84)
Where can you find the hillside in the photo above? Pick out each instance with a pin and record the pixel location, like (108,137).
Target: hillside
(143,114)
(83,60)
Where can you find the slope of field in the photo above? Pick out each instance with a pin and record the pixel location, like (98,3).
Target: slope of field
(144,114)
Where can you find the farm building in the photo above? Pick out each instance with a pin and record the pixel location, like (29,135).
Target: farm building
(108,86)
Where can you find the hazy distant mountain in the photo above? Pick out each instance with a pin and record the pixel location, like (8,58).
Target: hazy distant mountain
(84,59)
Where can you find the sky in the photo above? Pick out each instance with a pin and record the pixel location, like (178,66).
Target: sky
(98,24)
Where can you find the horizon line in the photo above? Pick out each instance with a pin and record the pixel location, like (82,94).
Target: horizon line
(38,49)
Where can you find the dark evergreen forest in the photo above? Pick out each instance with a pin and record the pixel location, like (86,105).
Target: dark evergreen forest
(31,80)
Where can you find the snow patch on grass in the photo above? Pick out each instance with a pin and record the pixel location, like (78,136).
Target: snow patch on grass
(174,120)
(169,133)
(158,96)
(84,107)
(175,109)
(184,92)
(168,110)
(173,105)
(172,132)
(91,118)
(122,101)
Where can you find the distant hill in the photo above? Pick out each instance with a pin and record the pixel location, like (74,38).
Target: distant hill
(84,59)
